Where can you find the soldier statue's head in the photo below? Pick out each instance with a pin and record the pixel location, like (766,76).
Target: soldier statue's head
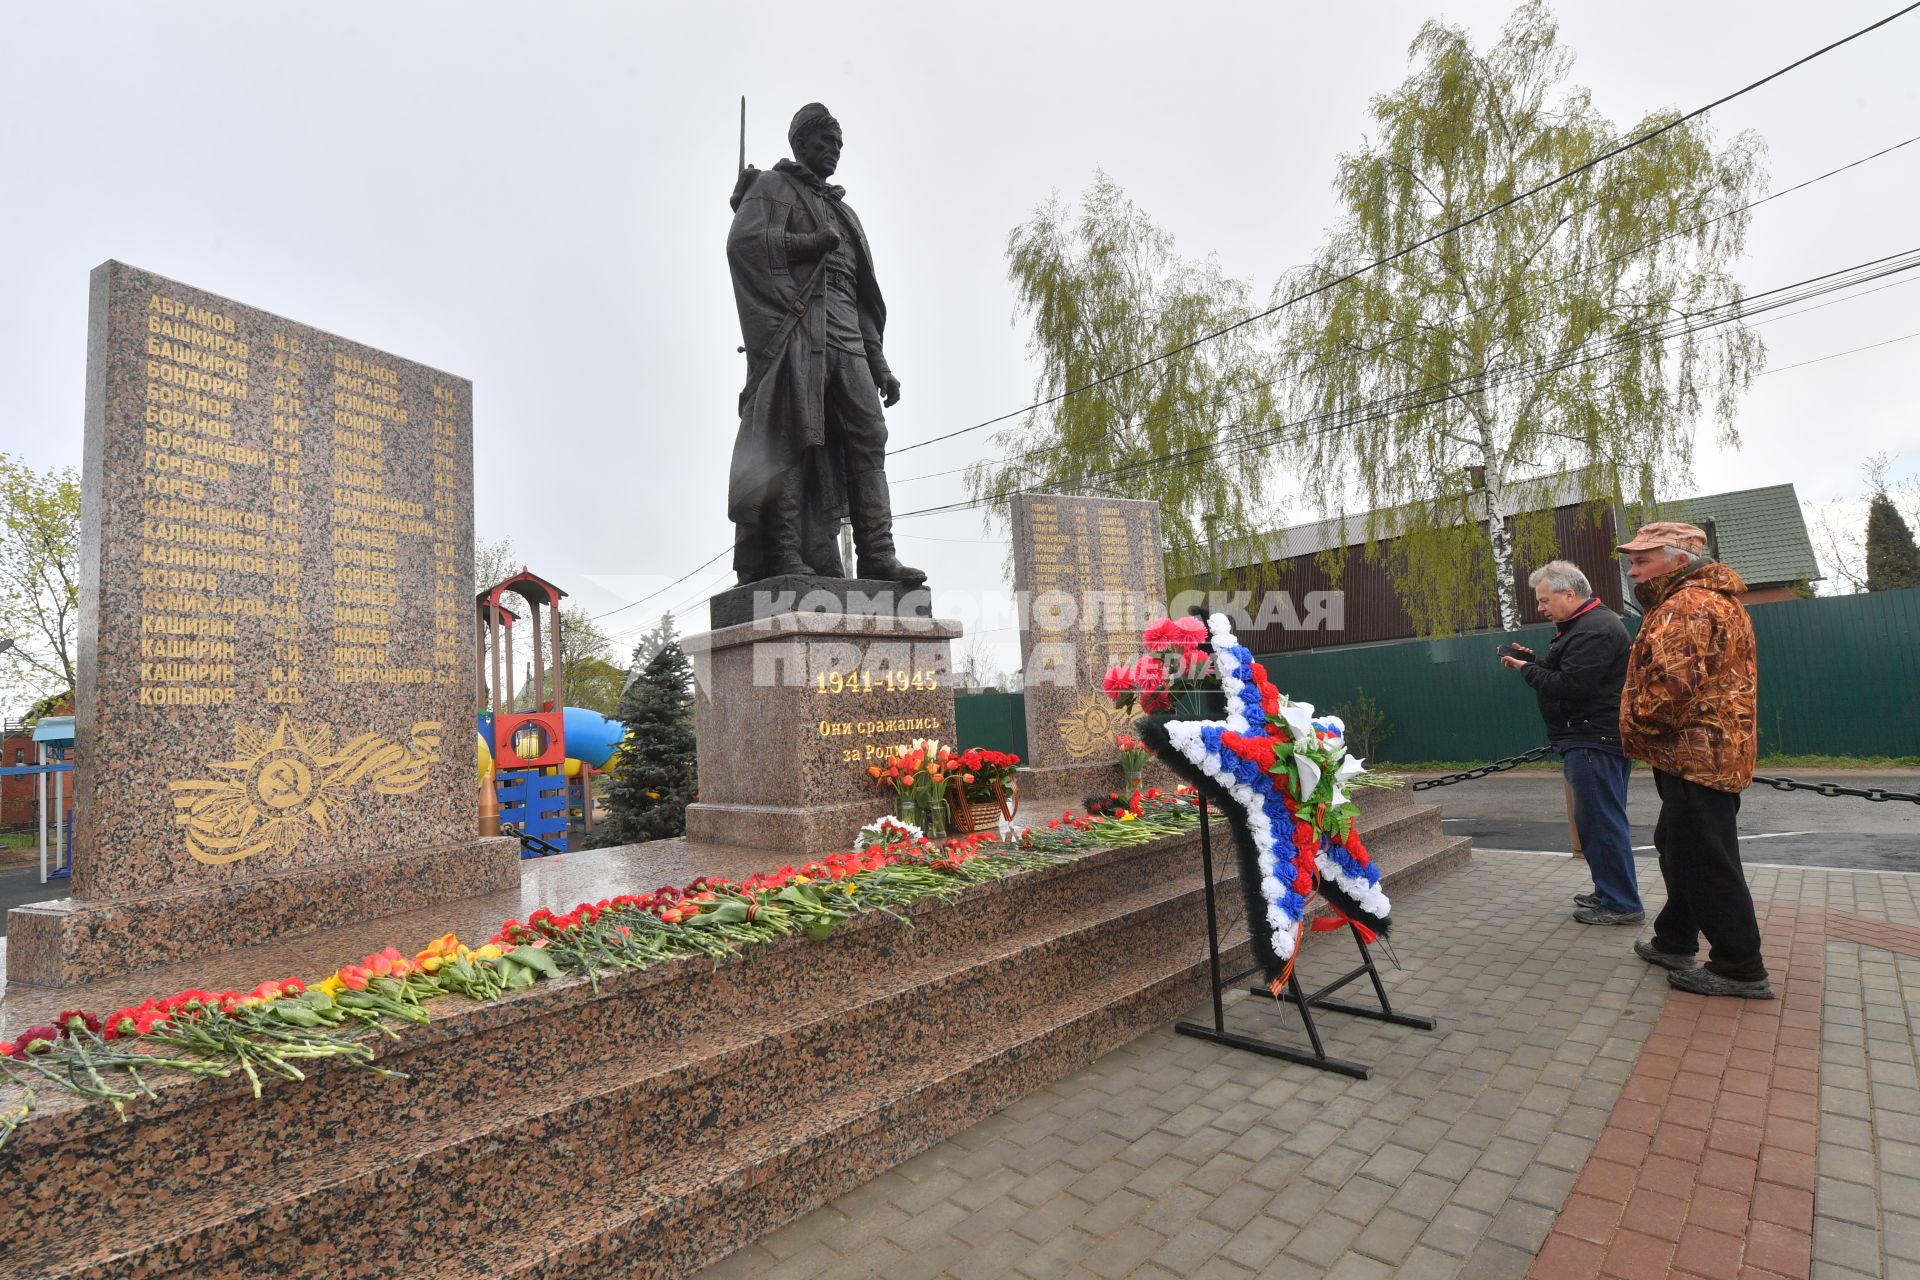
(815,138)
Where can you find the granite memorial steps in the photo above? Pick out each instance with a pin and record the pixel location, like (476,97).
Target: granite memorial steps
(1010,941)
(365,1155)
(888,1115)
(793,1176)
(62,1118)
(788,1172)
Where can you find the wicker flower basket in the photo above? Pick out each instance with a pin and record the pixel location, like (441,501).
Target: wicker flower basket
(970,816)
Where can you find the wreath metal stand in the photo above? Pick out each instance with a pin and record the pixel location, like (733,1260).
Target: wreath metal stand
(1218,1033)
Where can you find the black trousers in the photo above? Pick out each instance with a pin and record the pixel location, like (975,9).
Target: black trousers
(1706,888)
(856,422)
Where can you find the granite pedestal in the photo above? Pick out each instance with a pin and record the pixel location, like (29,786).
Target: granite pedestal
(801,593)
(790,711)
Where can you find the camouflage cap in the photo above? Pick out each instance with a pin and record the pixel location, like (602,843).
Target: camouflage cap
(1667,533)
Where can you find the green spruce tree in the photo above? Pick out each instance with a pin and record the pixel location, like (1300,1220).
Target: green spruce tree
(653,773)
(1893,560)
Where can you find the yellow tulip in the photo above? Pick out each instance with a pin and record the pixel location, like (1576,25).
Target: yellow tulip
(489,952)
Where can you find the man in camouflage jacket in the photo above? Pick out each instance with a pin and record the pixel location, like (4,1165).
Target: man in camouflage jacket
(1689,710)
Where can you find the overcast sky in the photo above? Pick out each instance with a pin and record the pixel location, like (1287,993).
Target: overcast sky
(534,196)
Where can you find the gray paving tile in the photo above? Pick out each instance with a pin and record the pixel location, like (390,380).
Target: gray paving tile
(1172,1157)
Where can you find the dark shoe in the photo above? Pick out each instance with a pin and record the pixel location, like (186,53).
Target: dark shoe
(1705,982)
(1604,915)
(1586,899)
(870,507)
(891,570)
(1665,959)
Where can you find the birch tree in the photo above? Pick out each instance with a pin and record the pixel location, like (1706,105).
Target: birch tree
(39,579)
(1103,289)
(1526,343)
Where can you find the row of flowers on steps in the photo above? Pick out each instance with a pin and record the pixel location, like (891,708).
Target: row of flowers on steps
(282,1027)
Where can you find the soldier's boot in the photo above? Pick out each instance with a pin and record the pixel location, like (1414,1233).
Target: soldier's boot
(783,527)
(871,506)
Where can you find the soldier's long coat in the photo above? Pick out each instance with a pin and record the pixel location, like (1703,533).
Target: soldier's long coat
(783,326)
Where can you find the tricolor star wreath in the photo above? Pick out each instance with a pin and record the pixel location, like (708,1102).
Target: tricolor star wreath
(1276,771)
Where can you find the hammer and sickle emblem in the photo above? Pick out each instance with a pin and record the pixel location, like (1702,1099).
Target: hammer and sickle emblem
(284,782)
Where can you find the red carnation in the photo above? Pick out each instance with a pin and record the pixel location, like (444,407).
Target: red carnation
(1185,633)
(36,1040)
(65,1020)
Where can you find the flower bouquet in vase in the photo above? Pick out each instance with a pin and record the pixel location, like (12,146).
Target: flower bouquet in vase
(919,773)
(1278,773)
(1174,676)
(1133,763)
(985,791)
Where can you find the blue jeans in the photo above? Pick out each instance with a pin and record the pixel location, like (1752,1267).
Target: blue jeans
(1598,778)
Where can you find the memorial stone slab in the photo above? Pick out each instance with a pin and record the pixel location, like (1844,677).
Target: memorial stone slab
(276,678)
(1089,574)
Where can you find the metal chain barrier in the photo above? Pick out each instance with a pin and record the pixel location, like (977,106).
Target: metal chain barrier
(1830,789)
(1876,794)
(1485,770)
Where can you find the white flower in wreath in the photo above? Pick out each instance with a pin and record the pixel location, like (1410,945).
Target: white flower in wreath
(884,831)
(1299,718)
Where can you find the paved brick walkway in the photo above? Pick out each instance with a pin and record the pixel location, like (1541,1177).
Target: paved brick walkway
(1569,1117)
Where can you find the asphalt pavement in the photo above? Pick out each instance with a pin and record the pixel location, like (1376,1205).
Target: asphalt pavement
(1525,811)
(19,885)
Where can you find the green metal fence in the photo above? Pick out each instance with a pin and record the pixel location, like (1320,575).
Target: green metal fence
(1839,675)
(995,721)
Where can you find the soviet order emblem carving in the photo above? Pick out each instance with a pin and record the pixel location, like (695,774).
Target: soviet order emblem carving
(281,785)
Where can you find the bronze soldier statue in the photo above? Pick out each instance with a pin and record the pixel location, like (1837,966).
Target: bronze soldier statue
(813,440)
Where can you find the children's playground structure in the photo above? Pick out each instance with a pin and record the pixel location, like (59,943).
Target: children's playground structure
(53,749)
(537,757)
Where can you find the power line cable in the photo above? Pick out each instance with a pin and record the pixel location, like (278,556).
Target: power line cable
(1512,297)
(1850,351)
(663,590)
(686,606)
(1784,296)
(1405,402)
(1510,373)
(1241,395)
(1443,233)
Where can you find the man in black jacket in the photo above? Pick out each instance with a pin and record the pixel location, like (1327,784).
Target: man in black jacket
(1578,684)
